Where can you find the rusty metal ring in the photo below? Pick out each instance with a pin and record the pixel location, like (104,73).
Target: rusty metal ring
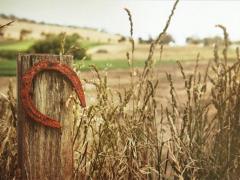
(26,85)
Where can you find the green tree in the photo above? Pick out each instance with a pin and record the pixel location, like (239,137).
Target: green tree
(24,33)
(208,41)
(193,40)
(166,39)
(56,44)
(122,39)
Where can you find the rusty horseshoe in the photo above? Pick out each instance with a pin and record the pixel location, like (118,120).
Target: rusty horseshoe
(26,85)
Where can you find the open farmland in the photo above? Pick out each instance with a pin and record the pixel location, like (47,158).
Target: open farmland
(38,30)
(125,109)
(113,56)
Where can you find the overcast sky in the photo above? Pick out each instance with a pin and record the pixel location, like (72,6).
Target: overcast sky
(192,18)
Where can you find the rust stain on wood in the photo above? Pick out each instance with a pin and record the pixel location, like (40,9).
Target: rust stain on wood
(26,86)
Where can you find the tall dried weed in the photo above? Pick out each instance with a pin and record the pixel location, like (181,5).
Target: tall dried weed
(127,134)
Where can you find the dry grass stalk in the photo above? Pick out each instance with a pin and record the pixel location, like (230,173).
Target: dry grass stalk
(5,25)
(121,136)
(8,149)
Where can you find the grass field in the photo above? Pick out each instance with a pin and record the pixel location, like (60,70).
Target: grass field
(24,45)
(16,45)
(88,44)
(115,54)
(8,67)
(174,120)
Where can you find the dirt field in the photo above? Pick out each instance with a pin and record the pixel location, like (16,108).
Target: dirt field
(119,79)
(118,51)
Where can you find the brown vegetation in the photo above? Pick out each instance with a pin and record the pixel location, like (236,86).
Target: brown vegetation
(127,134)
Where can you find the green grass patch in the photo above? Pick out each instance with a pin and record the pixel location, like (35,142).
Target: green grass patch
(113,64)
(7,68)
(89,44)
(16,45)
(103,64)
(24,45)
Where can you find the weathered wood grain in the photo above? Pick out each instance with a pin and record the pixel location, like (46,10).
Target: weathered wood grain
(46,153)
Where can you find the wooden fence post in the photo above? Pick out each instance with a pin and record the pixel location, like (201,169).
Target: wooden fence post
(44,152)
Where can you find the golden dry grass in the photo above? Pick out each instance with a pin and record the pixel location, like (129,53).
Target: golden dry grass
(126,133)
(13,31)
(170,53)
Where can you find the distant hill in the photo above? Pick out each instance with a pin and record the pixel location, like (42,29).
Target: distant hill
(38,30)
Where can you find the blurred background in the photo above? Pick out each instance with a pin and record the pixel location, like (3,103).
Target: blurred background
(97,31)
(171,115)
